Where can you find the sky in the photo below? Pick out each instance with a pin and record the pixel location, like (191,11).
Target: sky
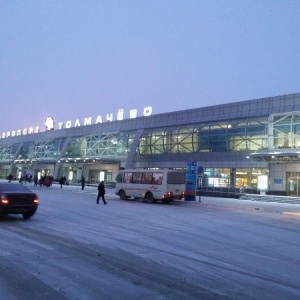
(73,59)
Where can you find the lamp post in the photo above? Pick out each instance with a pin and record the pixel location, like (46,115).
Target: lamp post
(200,171)
(200,186)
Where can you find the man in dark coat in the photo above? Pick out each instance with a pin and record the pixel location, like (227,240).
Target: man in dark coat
(61,181)
(82,182)
(35,180)
(101,192)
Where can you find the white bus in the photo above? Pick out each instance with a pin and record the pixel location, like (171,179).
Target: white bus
(152,185)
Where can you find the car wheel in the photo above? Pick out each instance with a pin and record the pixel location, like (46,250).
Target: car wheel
(27,216)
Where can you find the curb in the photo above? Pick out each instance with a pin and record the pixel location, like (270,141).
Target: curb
(290,213)
(259,209)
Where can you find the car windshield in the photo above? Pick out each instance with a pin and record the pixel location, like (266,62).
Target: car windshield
(13,187)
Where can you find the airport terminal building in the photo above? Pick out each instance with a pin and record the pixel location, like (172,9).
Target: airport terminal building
(234,143)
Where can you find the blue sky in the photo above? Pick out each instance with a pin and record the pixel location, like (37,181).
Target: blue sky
(76,59)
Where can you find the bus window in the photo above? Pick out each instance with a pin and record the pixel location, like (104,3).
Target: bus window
(176,178)
(147,178)
(119,178)
(157,178)
(127,177)
(137,177)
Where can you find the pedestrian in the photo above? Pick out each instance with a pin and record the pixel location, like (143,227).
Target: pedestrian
(61,181)
(35,180)
(101,192)
(47,181)
(82,182)
(42,180)
(10,178)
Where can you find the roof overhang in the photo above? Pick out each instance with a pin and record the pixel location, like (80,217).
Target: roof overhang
(276,156)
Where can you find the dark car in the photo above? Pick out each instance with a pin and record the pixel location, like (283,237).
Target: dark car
(15,198)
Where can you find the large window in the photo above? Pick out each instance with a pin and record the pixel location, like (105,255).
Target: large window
(237,135)
(236,177)
(6,153)
(100,146)
(285,130)
(248,135)
(46,149)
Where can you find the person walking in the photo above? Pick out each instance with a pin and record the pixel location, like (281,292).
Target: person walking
(82,182)
(10,178)
(35,180)
(61,181)
(101,192)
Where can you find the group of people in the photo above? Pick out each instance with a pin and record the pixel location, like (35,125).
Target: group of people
(47,181)
(24,178)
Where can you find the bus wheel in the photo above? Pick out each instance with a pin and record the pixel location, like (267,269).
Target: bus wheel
(150,198)
(122,195)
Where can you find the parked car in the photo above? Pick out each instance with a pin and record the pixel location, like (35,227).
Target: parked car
(16,198)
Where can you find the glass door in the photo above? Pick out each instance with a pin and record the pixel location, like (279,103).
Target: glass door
(293,184)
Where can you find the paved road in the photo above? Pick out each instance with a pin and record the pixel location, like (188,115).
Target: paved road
(75,249)
(272,204)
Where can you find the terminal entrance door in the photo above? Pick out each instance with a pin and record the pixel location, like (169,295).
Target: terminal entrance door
(293,184)
(95,176)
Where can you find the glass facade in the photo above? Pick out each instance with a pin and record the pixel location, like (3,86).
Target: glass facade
(285,130)
(45,150)
(8,152)
(232,177)
(103,146)
(236,135)
(235,142)
(33,151)
(239,135)
(223,136)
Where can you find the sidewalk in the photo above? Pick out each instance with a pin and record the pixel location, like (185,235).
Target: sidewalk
(273,204)
(263,205)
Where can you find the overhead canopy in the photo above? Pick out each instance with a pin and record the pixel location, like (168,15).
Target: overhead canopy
(276,156)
